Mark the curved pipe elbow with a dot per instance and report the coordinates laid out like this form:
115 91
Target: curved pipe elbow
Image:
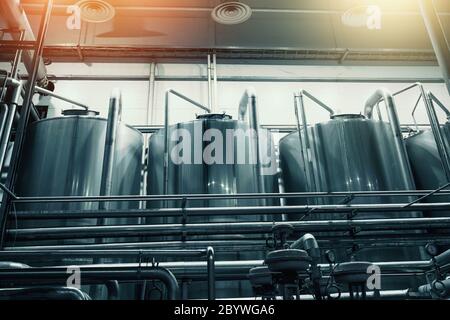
380 94
309 243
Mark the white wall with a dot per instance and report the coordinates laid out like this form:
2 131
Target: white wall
275 98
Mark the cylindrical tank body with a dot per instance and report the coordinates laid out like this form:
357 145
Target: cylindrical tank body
349 153
427 167
425 161
63 157
199 174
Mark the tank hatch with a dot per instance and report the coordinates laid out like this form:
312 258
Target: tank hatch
214 116
79 112
344 116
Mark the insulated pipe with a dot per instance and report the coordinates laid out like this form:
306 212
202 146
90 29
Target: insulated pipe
247 106
14 278
115 231
437 38
386 96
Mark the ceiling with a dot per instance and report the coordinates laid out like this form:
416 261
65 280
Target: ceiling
279 29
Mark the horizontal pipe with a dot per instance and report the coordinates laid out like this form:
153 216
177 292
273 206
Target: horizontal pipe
114 231
48 254
30 276
161 197
248 243
216 211
249 78
57 96
196 270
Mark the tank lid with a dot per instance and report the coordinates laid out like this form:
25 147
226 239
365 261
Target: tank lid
79 112
214 116
348 116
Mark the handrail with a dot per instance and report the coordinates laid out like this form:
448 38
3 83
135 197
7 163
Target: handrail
387 97
305 147
166 132
441 143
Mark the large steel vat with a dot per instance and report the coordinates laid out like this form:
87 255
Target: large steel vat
349 153
425 160
198 174
63 156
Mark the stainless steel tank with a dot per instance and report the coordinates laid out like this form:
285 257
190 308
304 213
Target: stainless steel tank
203 177
349 153
428 170
63 156
426 162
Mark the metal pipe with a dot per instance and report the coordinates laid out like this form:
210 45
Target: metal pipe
61 199
4 110
437 37
440 104
442 146
166 133
96 274
209 84
441 142
113 289
132 253
302 152
248 106
114 231
16 18
114 115
22 126
215 99
52 94
210 262
15 87
17 57
387 97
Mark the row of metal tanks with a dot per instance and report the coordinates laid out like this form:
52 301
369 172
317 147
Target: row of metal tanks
63 157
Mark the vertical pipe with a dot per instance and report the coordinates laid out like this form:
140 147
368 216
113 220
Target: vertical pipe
25 114
114 113
151 94
215 107
211 273
209 84
17 58
437 38
302 153
307 144
3 117
166 147
386 96
248 106
15 87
